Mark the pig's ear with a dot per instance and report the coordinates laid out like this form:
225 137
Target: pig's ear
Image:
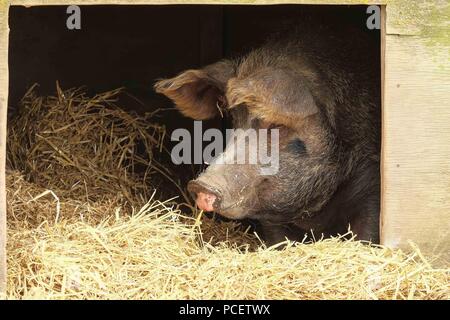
276 95
199 94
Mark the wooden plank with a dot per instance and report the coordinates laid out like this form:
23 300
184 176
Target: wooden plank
416 134
383 83
4 31
425 17
163 2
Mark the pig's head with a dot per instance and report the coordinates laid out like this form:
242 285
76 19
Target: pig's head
272 97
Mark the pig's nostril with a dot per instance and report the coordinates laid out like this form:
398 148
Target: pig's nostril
205 201
206 197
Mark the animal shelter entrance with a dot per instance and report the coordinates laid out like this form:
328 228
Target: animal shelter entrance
131 47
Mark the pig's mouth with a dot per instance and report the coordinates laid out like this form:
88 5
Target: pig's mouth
209 199
233 211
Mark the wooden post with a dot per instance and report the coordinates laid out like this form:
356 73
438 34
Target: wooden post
416 128
4 32
383 82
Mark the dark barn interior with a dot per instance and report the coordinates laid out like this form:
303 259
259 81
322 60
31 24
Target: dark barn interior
132 46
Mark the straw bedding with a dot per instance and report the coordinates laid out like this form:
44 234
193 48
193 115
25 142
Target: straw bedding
72 142
84 222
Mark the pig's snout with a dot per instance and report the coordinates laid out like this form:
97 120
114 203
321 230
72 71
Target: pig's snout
206 197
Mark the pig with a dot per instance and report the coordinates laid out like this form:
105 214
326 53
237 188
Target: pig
322 93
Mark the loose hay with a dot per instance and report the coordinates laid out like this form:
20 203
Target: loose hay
71 242
154 254
83 146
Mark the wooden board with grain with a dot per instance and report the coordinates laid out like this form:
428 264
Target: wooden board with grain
214 2
416 128
4 31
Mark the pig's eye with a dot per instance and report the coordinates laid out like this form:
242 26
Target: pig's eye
296 146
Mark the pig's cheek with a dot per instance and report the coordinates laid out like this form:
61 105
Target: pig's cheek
265 192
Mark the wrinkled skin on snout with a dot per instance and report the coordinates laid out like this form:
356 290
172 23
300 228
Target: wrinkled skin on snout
327 117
